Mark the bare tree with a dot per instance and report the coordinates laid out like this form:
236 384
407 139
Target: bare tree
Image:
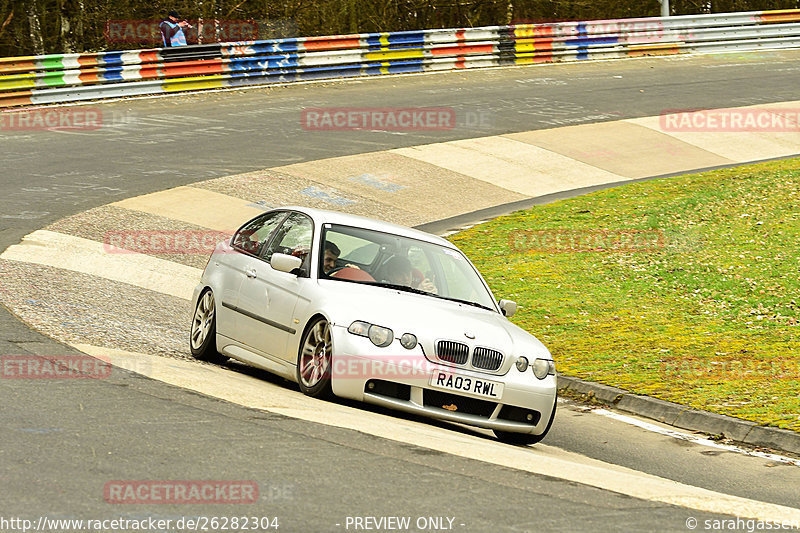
79 26
217 15
7 21
66 36
34 26
200 22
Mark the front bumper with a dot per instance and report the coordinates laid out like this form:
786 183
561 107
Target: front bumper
399 379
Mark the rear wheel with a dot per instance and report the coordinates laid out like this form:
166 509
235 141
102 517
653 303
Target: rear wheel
203 336
526 438
314 362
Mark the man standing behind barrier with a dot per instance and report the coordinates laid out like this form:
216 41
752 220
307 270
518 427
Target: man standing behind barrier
172 30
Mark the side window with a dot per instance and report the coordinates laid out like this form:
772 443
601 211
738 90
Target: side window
254 235
293 238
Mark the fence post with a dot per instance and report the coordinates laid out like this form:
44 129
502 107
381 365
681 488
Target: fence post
664 8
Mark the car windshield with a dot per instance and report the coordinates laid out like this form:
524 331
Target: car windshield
384 259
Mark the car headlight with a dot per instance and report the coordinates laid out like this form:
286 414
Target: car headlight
543 367
408 341
522 364
379 335
360 328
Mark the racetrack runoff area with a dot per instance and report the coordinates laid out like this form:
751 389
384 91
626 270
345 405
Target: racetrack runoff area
103 312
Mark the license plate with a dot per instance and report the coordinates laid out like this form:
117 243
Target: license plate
476 386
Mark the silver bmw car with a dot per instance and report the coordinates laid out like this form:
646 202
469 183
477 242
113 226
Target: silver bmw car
356 308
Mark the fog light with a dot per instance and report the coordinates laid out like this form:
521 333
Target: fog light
522 364
408 341
541 367
380 336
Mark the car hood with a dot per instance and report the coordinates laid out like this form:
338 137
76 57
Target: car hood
429 318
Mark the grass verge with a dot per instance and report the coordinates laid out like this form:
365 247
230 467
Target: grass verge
685 289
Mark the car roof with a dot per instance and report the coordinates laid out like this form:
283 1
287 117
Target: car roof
323 216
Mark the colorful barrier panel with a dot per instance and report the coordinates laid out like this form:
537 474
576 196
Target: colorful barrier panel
59 78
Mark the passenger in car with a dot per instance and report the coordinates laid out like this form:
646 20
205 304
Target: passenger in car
400 272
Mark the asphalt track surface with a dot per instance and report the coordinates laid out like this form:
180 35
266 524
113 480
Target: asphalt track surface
62 441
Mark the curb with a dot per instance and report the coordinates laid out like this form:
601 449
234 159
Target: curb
683 417
465 220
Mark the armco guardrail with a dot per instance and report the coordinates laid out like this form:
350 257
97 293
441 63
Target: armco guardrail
72 77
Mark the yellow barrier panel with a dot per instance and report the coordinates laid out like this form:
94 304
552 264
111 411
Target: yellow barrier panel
193 84
394 55
17 81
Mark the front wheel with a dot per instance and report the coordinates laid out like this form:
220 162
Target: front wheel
510 437
314 360
203 336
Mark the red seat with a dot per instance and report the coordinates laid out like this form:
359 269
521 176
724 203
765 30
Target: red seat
352 274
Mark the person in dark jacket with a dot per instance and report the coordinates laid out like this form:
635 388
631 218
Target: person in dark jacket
172 30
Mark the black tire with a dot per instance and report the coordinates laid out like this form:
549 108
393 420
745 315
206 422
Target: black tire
203 334
314 360
526 438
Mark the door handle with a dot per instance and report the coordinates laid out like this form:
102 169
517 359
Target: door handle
251 273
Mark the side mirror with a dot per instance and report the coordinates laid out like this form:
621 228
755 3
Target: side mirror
509 307
284 262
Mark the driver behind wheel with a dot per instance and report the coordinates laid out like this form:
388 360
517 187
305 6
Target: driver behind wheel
332 253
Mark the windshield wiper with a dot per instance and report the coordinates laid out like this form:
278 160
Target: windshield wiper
474 304
420 291
402 288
